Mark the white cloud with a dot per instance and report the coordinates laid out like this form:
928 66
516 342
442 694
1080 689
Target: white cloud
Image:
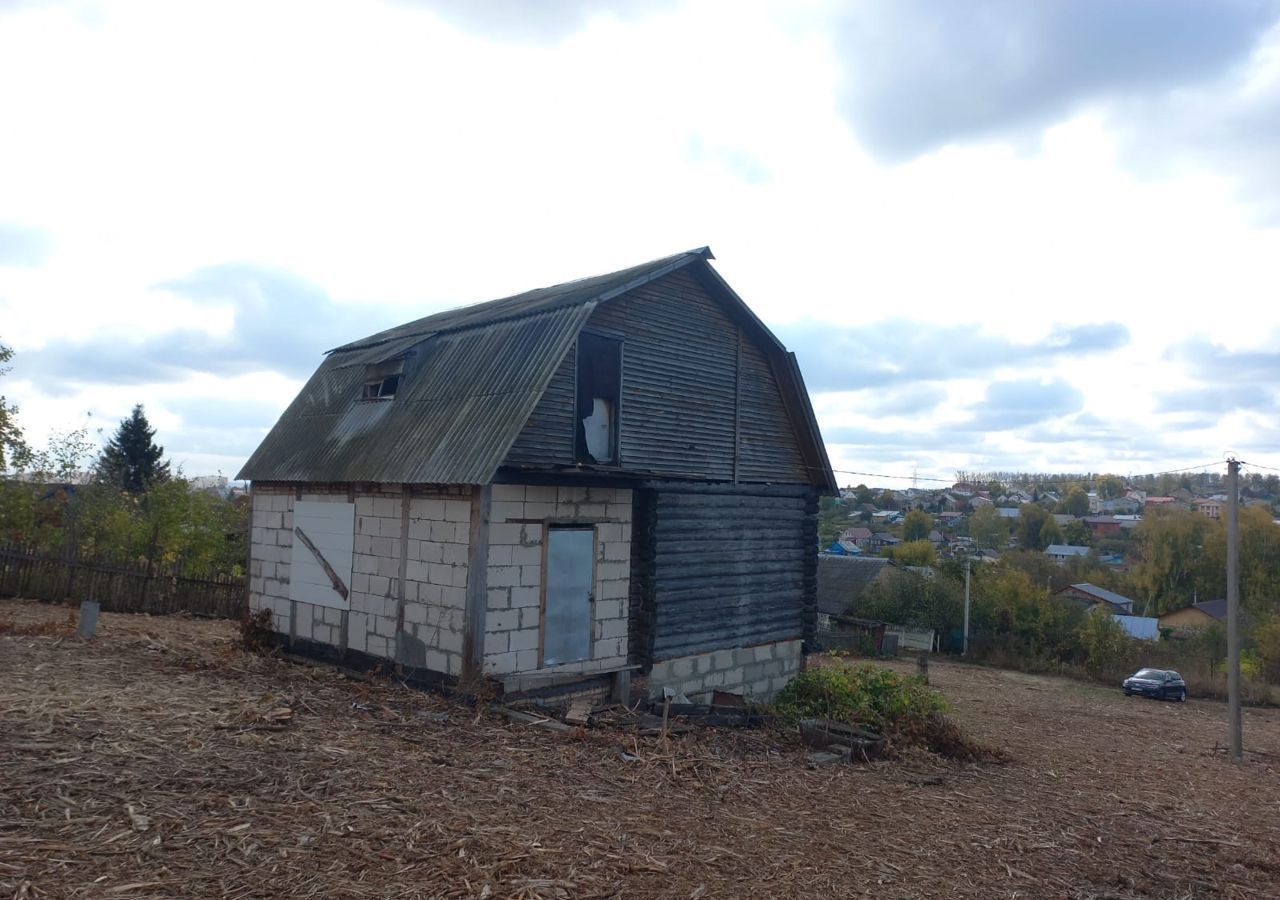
398 159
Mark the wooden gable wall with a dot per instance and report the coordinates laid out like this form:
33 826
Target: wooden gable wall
699 397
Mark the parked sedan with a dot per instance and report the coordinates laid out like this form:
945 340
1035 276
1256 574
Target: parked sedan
1162 684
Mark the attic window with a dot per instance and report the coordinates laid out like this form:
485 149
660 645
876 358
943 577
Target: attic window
381 381
598 399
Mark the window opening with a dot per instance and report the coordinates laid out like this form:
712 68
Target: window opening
599 395
381 381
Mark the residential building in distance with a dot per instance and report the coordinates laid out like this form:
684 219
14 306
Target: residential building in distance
1060 553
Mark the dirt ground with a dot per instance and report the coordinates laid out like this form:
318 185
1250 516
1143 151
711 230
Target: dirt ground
159 760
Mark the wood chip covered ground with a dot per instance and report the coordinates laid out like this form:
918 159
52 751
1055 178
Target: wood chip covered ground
160 760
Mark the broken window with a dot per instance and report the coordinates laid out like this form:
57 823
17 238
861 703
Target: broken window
599 395
381 381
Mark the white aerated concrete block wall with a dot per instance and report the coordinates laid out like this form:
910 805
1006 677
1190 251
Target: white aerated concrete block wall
435 556
271 547
756 672
519 516
436 573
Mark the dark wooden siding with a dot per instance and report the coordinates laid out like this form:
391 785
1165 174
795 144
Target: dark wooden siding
547 438
730 568
679 356
767 448
643 566
688 393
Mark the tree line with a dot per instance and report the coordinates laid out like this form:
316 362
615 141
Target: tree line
120 501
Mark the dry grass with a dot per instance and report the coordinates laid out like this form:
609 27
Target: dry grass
160 760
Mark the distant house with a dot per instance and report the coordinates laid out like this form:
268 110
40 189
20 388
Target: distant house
950 518
1102 526
858 536
883 539
1093 596
1195 616
936 538
1063 519
1006 512
1120 505
1210 507
843 548
1094 599
1144 628
1152 502
978 500
1060 553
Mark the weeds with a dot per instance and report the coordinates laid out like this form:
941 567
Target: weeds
256 630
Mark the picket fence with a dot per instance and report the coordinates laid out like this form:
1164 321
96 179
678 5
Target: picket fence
119 585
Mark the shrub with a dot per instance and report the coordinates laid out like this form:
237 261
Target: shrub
860 695
256 630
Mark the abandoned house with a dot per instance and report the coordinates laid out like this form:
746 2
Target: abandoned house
617 475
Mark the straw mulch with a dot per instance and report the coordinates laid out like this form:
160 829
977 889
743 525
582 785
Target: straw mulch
159 760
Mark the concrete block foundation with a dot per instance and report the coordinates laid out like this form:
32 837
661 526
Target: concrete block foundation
757 672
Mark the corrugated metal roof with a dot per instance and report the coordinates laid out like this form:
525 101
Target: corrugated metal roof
1103 594
464 397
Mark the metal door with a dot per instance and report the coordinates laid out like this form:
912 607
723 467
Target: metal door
566 623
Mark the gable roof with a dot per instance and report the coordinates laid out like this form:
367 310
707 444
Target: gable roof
1216 609
1104 595
473 376
842 579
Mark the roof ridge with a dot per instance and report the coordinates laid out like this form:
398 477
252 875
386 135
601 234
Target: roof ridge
472 315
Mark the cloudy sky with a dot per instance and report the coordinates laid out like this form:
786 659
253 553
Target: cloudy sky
999 234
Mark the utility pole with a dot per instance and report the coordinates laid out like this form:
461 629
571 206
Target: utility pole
965 650
1233 611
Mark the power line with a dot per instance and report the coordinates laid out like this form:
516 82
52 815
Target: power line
1258 466
914 477
902 477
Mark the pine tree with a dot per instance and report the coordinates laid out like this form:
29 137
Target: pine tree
131 460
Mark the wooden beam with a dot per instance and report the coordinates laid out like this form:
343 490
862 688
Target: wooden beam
477 584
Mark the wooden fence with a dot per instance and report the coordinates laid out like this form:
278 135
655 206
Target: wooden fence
119 585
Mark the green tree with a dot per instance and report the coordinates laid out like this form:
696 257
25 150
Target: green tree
1075 502
1031 521
1172 558
831 519
13 450
914 553
1105 642
916 526
988 528
1077 534
1111 487
131 460
1050 532
1259 552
